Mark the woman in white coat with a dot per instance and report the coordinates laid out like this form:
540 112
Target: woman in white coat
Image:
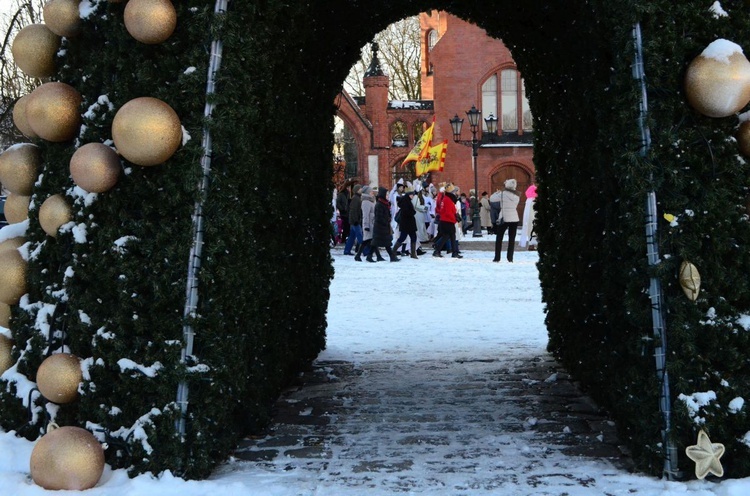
508 219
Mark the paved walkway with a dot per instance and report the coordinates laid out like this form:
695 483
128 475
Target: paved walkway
463 426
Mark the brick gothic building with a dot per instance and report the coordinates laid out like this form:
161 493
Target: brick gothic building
461 67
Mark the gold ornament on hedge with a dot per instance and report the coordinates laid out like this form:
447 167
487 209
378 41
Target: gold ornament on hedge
706 456
4 316
95 167
17 208
690 280
54 212
150 21
34 50
19 168
12 277
62 17
53 111
717 82
146 131
58 378
6 361
67 458
19 117
12 243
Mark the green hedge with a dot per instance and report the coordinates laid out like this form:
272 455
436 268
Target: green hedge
114 288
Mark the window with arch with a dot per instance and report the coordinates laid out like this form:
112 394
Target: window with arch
399 134
432 39
504 96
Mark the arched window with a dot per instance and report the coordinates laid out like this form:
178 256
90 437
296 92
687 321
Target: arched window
399 134
432 39
504 96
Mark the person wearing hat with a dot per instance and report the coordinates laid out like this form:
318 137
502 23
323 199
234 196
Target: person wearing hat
382 233
368 218
355 220
508 219
446 210
407 223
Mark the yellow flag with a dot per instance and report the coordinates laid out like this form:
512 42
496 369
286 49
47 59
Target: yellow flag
433 160
421 147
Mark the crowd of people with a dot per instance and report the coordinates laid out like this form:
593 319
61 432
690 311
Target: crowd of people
410 216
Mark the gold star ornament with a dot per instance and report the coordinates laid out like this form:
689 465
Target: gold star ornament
706 456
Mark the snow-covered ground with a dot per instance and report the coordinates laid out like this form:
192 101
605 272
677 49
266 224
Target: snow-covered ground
427 309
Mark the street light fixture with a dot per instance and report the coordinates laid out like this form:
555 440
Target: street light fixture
457 124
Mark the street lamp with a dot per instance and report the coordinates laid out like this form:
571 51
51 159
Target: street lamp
457 123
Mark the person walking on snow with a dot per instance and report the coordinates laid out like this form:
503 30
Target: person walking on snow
508 219
407 223
446 211
368 218
382 234
355 221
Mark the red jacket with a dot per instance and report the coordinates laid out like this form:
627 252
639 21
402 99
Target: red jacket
446 208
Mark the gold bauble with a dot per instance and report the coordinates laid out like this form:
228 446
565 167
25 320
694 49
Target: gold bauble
62 17
4 316
52 111
6 361
58 377
12 277
150 21
690 280
19 117
67 458
146 131
95 167
718 89
34 50
19 168
12 243
54 212
16 208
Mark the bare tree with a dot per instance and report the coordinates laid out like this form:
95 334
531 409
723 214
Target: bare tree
399 56
13 82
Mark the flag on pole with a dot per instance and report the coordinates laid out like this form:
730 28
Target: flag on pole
433 160
421 147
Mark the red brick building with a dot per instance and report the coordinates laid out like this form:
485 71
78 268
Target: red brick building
461 66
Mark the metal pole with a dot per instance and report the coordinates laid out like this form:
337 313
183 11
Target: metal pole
196 250
655 291
475 210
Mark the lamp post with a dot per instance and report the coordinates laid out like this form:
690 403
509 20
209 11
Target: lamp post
457 123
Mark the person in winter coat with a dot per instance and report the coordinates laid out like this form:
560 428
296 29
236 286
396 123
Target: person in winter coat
495 207
382 236
446 210
407 223
484 213
509 215
368 218
342 205
355 221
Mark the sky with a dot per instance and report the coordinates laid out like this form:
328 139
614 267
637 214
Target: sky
389 313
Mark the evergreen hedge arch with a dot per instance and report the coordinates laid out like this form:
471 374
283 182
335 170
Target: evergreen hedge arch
266 269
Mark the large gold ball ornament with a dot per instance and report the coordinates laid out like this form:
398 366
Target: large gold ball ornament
58 377
34 50
52 111
6 361
19 117
717 82
150 21
16 208
67 458
146 131
12 277
19 168
12 243
95 167
690 280
54 212
62 17
4 316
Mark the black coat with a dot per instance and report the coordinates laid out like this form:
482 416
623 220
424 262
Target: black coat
381 229
407 222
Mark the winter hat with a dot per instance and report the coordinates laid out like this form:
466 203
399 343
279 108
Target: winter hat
356 189
409 191
510 184
366 190
449 188
382 192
